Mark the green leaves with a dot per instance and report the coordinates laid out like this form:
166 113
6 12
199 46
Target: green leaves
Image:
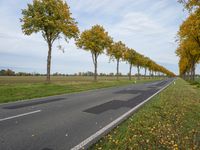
130 55
51 17
95 40
116 50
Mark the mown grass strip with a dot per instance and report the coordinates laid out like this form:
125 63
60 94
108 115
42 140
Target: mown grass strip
169 121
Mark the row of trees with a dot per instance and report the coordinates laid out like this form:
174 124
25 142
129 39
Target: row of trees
7 72
53 19
189 40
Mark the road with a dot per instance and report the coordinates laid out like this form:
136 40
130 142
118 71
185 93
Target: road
64 122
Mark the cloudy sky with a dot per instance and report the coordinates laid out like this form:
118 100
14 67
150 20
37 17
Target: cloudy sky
148 26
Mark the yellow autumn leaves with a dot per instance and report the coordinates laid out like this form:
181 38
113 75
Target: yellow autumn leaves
189 41
169 121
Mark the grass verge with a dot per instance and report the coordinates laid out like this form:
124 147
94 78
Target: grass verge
20 88
196 82
169 121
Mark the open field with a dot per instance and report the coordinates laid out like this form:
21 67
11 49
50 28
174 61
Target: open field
169 121
54 79
19 88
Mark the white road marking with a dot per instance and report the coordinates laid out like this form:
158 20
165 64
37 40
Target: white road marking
115 122
20 115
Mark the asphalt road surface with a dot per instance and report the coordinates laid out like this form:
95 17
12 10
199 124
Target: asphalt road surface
63 122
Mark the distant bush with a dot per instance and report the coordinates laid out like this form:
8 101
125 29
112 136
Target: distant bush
7 72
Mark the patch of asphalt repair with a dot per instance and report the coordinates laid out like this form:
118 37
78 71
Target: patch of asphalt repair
130 103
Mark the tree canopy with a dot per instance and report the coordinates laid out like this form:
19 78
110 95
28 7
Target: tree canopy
51 17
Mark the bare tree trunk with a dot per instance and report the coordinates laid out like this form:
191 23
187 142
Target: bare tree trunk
149 74
49 62
130 71
145 73
117 69
193 72
138 70
94 58
95 68
184 76
188 75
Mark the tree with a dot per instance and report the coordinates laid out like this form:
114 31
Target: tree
2 72
116 51
189 44
183 67
139 62
129 56
7 72
189 53
146 65
95 40
52 18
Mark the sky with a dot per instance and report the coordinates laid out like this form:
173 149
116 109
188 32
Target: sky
149 27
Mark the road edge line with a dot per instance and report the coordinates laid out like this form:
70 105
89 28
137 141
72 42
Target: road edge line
116 121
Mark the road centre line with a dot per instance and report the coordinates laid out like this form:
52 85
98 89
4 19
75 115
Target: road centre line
20 115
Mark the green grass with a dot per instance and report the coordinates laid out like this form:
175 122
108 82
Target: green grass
20 88
171 120
196 82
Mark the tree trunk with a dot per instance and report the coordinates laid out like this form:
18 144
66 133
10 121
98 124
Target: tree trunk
138 70
184 76
193 72
145 73
117 69
149 74
130 71
94 59
188 75
95 67
49 62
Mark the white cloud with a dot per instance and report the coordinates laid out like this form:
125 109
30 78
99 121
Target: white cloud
138 23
